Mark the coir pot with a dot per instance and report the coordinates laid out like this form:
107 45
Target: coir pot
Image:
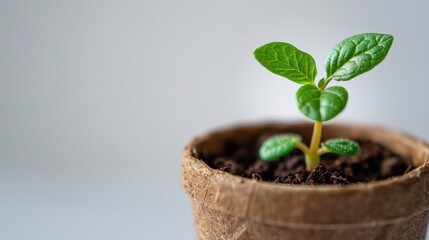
231 207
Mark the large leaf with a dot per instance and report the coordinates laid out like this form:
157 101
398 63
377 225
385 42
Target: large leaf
278 146
321 105
342 146
356 55
287 61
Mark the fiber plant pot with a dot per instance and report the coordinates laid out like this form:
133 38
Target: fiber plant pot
232 207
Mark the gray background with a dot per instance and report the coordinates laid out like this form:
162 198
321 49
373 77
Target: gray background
97 99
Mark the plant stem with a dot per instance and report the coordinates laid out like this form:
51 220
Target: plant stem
322 151
312 158
326 83
301 146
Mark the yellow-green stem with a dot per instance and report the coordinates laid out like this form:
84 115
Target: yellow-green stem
322 150
301 146
312 158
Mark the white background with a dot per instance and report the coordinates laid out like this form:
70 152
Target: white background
97 99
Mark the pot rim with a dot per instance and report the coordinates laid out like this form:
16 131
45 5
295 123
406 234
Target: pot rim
301 187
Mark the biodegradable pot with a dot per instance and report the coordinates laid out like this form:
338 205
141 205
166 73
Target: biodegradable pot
231 207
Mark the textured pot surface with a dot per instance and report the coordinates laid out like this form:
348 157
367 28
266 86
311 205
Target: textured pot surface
232 207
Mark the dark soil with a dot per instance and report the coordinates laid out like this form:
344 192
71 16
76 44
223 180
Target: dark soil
375 162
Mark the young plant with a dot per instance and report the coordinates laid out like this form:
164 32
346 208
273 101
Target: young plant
348 59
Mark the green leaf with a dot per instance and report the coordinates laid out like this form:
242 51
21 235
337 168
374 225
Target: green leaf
287 61
356 55
342 146
322 83
321 105
278 146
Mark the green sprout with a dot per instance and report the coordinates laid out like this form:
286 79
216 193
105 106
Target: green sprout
348 59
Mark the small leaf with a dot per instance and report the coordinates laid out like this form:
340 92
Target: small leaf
321 84
278 146
342 146
287 61
321 105
356 55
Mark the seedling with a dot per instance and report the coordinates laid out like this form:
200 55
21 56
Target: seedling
348 59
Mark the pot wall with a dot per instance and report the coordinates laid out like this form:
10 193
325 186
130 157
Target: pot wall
212 224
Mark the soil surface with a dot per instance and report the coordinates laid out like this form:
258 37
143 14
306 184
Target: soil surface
375 162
